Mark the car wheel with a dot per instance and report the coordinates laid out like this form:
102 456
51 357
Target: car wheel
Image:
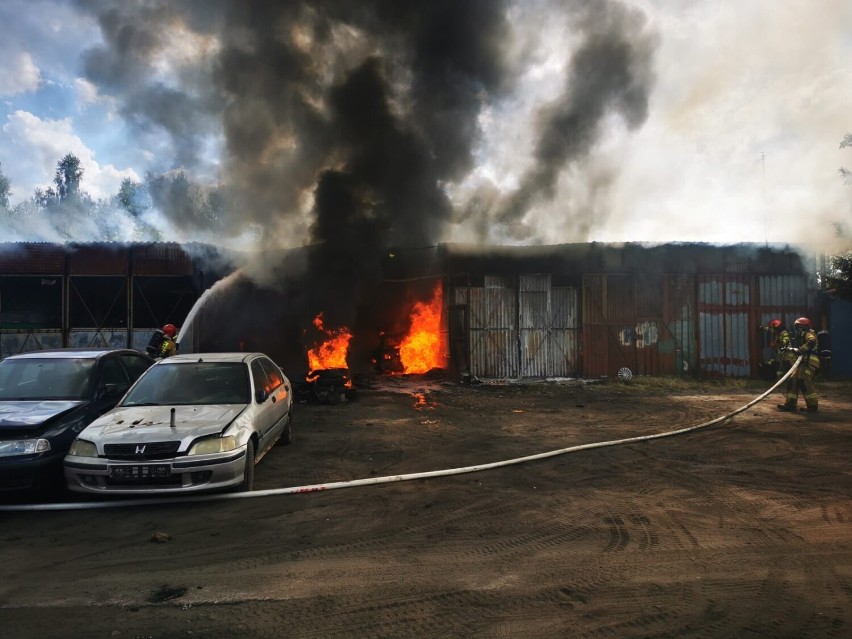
287 435
248 474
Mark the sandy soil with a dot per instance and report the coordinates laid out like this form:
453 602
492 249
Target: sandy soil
742 529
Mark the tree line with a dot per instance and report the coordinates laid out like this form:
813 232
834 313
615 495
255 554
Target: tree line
64 211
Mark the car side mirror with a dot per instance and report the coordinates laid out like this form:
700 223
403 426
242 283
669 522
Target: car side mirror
261 395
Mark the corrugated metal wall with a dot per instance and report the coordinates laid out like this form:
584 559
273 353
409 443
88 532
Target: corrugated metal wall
679 318
639 321
662 310
98 295
783 297
725 324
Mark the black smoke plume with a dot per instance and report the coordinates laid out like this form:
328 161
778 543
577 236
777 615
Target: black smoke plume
343 122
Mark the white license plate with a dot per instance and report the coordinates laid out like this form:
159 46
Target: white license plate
140 472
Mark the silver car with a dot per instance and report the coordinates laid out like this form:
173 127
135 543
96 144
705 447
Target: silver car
194 422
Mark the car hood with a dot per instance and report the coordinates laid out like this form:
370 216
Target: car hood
32 414
154 422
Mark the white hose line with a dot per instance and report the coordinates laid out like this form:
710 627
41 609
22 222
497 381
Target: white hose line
120 503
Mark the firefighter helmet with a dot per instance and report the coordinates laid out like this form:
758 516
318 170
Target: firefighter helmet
802 323
773 324
170 330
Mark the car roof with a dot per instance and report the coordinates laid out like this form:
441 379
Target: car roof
74 353
211 357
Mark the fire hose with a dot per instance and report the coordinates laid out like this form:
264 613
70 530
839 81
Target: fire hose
397 478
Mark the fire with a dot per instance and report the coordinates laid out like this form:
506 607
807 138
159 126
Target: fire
420 351
331 353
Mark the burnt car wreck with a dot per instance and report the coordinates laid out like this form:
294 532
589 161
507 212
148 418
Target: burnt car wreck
328 386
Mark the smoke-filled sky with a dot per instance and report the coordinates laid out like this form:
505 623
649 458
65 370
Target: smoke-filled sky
376 123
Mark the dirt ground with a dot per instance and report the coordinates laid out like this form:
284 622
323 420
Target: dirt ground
736 530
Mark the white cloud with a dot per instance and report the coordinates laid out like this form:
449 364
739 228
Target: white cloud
18 74
33 148
85 91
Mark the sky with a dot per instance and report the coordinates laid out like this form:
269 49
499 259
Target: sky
534 122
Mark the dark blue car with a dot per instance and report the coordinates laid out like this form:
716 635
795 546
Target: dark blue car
46 399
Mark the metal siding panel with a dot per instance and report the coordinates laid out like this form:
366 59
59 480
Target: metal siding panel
711 329
33 259
595 350
459 295
725 332
564 353
96 301
593 299
98 260
647 333
622 349
649 294
160 259
782 290
564 307
710 290
492 353
620 307
840 330
104 338
783 297
535 353
140 336
534 312
738 362
534 323
680 315
14 342
477 307
534 282
494 336
564 334
737 291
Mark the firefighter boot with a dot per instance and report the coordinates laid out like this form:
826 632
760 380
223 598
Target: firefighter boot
788 406
812 408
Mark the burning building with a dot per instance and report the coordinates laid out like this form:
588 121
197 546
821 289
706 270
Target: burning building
574 310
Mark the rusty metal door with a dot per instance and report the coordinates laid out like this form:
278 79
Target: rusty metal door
493 328
548 328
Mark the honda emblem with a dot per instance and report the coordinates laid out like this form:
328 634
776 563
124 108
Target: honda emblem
140 450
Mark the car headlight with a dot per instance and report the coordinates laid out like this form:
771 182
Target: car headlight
213 445
12 447
82 448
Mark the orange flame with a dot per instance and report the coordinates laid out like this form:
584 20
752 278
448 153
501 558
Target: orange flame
331 353
420 351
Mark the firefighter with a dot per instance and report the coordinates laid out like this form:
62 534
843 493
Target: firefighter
808 348
169 346
782 358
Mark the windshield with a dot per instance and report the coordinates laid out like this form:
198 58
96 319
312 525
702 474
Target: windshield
45 379
191 383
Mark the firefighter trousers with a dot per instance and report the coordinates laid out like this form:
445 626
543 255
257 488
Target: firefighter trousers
802 381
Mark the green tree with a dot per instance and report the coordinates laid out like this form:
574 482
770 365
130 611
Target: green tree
839 282
68 177
132 197
845 142
43 198
839 279
5 189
